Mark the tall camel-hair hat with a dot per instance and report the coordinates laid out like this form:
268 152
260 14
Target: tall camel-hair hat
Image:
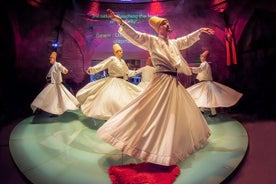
116 47
205 54
53 55
155 22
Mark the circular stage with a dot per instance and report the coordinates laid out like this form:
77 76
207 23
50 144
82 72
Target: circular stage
66 149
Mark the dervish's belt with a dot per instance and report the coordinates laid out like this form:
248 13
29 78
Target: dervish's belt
169 73
205 81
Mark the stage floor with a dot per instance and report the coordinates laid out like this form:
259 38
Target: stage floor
66 149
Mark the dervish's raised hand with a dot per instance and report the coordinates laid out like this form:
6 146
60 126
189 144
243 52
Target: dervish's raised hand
208 31
113 16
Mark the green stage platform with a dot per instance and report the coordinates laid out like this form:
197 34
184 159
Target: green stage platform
66 149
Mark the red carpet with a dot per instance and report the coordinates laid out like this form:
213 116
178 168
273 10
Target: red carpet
143 173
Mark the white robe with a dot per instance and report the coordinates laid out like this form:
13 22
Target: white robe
147 73
163 125
210 94
102 98
55 98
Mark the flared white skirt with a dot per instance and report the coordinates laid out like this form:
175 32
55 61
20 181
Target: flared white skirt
55 99
103 98
211 94
163 125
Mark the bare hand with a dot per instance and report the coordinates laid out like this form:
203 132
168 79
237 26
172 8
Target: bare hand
65 71
208 31
88 71
113 16
110 13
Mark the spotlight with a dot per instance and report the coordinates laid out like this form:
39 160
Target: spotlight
55 44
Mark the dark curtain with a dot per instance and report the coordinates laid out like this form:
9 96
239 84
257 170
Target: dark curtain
257 56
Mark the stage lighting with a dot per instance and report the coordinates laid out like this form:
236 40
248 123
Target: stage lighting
55 44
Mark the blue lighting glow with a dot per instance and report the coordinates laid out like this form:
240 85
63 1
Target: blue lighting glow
55 44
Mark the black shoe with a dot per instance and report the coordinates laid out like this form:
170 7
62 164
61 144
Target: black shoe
38 111
212 115
53 116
